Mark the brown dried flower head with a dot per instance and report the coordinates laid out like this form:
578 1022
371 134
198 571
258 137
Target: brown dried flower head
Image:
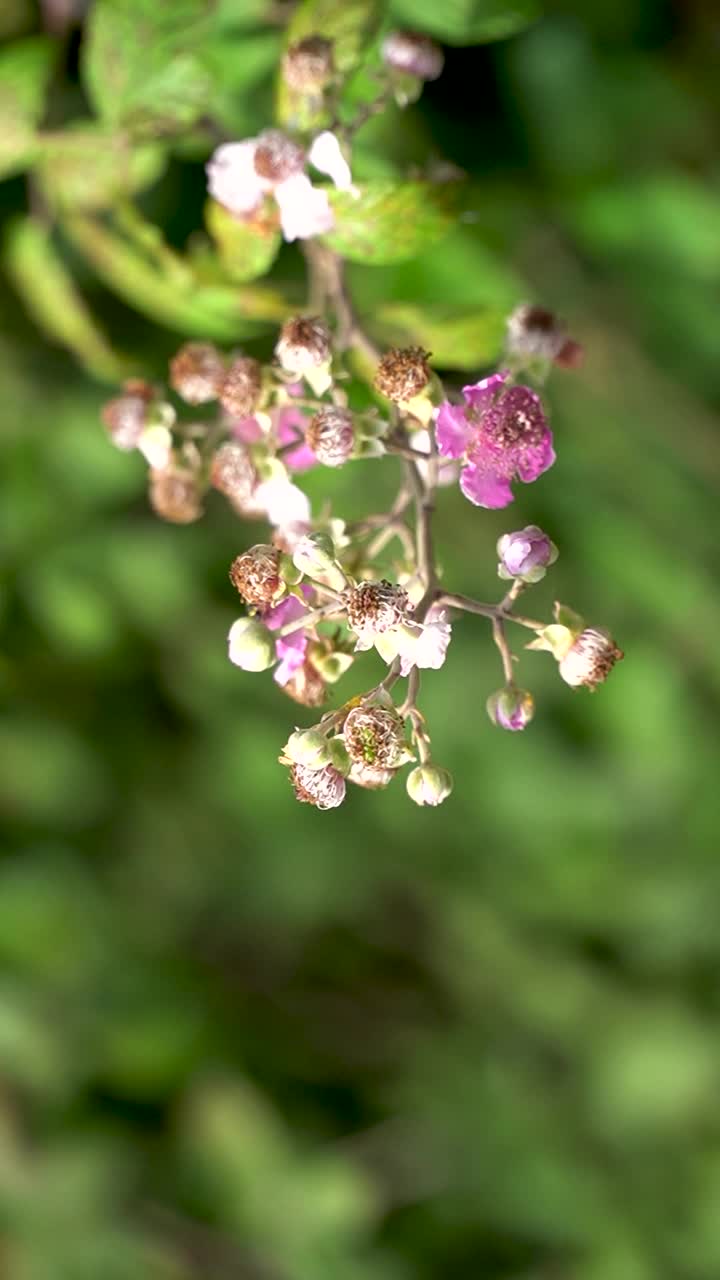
307 66
375 607
374 736
175 494
233 472
590 659
414 54
277 157
331 435
197 372
535 333
403 373
372 777
304 343
324 788
306 686
240 388
126 416
256 574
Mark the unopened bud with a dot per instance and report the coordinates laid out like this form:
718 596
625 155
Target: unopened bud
376 607
232 472
511 708
525 554
307 66
590 659
304 344
375 735
323 788
175 495
256 575
314 555
402 373
534 333
308 747
126 416
240 389
429 784
331 435
197 372
414 54
251 645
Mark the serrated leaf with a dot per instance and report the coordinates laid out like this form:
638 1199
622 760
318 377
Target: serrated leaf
247 248
88 167
196 310
25 68
389 222
459 337
350 26
142 63
462 22
48 292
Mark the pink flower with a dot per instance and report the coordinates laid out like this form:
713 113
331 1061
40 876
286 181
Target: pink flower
500 433
289 649
241 174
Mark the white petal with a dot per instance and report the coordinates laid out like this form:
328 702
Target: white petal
325 155
284 503
304 209
155 444
232 179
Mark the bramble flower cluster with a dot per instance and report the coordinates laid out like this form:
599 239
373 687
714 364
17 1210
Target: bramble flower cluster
319 592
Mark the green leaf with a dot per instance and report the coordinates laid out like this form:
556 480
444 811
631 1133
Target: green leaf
88 167
390 222
241 66
458 337
25 68
467 21
247 248
143 65
350 25
196 310
48 292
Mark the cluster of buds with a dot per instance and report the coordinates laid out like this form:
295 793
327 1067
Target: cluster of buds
317 591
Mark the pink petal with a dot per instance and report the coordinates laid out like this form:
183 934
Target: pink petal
290 426
485 488
232 179
534 461
248 430
304 209
480 395
452 430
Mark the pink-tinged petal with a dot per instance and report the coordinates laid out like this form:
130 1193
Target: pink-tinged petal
304 209
290 427
283 503
535 461
232 179
326 155
485 488
248 430
453 432
480 395
291 609
291 652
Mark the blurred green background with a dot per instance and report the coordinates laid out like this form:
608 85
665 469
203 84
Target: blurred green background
241 1039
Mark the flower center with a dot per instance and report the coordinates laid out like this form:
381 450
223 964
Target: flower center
277 157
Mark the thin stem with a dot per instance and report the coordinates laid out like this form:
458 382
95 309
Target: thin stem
501 641
315 615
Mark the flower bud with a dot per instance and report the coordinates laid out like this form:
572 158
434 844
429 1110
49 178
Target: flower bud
375 735
251 645
308 747
331 436
174 494
414 54
315 556
429 784
126 416
323 788
240 388
304 344
402 373
525 554
511 708
307 66
256 575
590 659
374 608
233 473
370 776
197 372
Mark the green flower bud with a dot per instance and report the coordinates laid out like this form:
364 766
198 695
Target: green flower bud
308 747
250 645
429 784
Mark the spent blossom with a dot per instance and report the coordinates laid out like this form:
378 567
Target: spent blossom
501 434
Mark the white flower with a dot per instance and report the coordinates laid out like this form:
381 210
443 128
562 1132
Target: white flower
282 502
241 174
417 644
